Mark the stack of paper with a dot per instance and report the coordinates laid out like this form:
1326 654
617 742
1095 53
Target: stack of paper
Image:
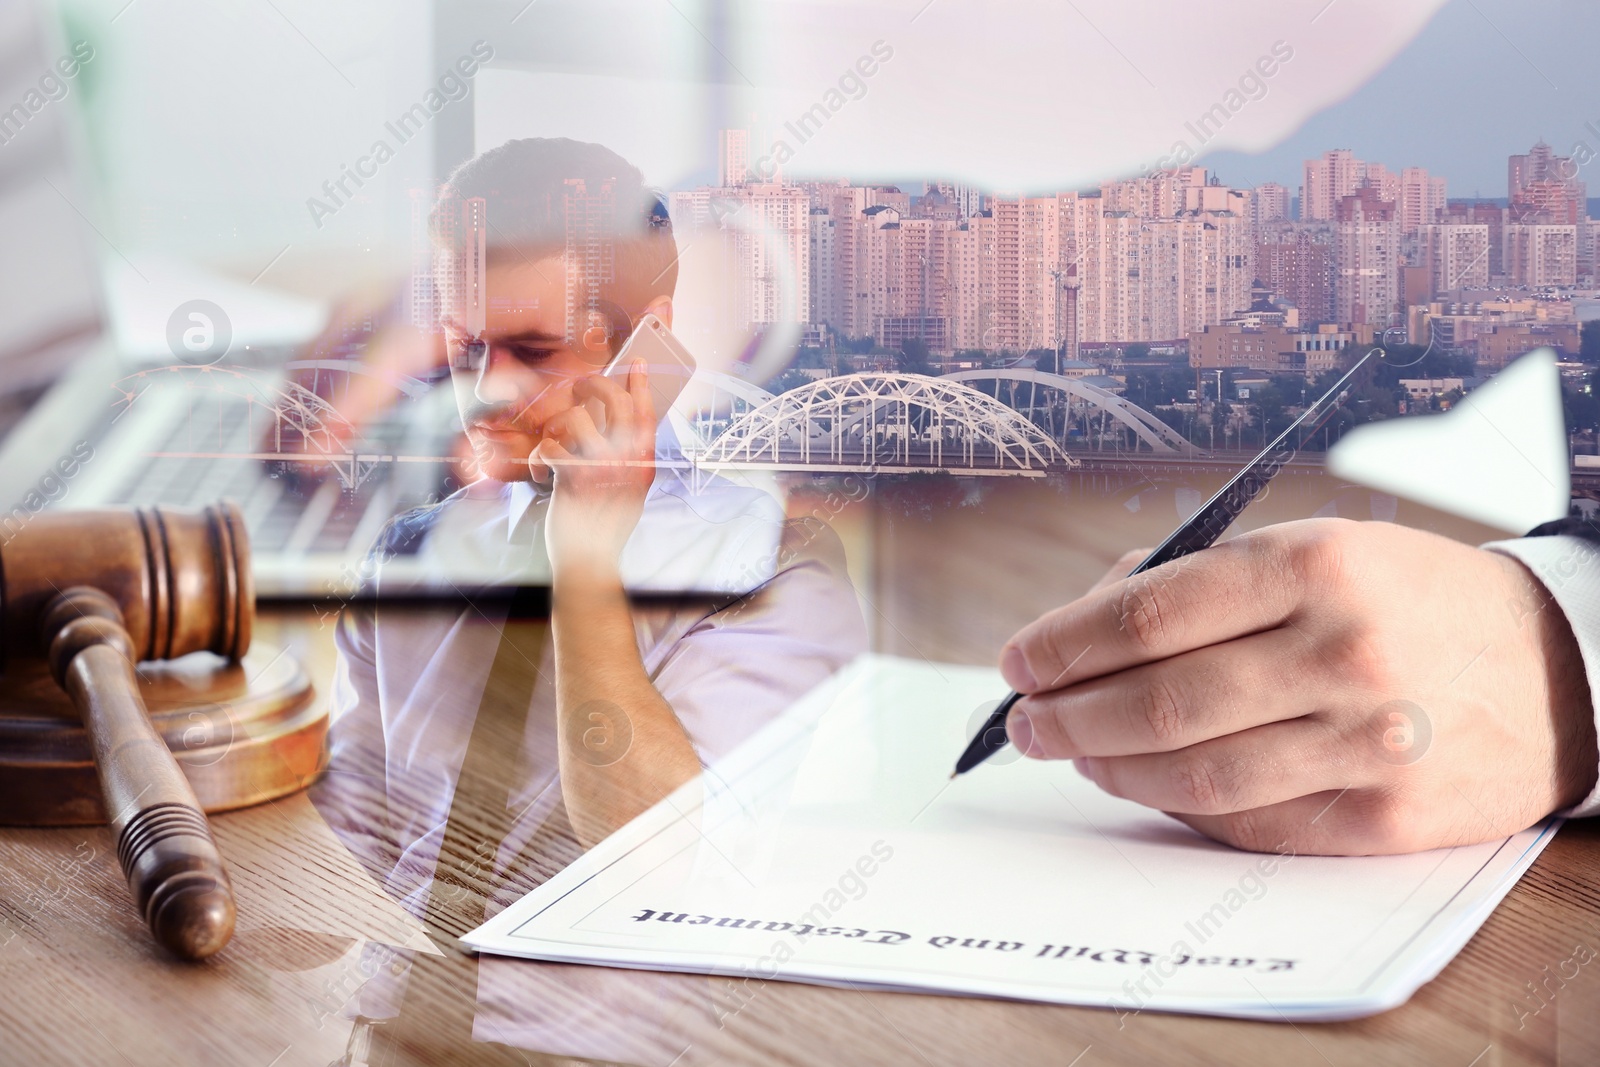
833 848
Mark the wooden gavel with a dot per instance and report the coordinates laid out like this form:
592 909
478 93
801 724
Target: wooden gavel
96 592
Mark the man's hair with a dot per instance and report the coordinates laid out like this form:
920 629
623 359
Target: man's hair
532 187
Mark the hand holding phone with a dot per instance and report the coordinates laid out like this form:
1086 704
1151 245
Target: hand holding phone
602 479
669 364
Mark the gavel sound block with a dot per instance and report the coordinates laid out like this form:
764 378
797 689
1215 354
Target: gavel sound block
92 594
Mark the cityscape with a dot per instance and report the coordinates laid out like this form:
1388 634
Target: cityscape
1122 285
1165 313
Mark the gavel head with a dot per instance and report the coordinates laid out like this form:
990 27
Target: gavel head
181 578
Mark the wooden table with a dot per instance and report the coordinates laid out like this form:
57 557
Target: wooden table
82 981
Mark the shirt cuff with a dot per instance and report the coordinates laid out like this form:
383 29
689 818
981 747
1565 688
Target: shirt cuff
1569 567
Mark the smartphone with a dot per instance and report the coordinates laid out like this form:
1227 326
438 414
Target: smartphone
669 363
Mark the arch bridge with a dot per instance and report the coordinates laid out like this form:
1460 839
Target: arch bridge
1059 405
887 422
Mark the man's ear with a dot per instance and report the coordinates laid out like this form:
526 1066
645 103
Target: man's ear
661 308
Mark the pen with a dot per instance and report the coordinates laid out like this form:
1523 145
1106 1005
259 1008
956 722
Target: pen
1200 531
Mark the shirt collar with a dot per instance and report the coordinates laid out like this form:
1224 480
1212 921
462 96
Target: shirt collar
519 500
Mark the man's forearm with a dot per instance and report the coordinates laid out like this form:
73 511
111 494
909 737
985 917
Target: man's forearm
621 747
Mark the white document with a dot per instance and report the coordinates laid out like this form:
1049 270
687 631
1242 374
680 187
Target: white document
834 848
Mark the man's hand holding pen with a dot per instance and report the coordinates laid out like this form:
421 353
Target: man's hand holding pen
1288 686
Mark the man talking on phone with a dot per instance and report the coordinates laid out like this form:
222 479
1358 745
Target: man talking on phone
565 726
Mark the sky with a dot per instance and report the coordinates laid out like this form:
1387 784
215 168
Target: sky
1015 96
1483 80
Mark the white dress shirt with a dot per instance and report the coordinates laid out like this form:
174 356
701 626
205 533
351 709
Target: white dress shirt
1569 567
409 682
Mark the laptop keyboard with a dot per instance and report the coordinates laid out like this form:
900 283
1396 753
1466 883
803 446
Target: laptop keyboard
176 445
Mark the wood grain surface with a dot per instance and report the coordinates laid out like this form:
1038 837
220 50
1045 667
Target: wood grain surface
82 982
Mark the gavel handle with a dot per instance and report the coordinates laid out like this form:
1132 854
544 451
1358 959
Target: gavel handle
164 843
